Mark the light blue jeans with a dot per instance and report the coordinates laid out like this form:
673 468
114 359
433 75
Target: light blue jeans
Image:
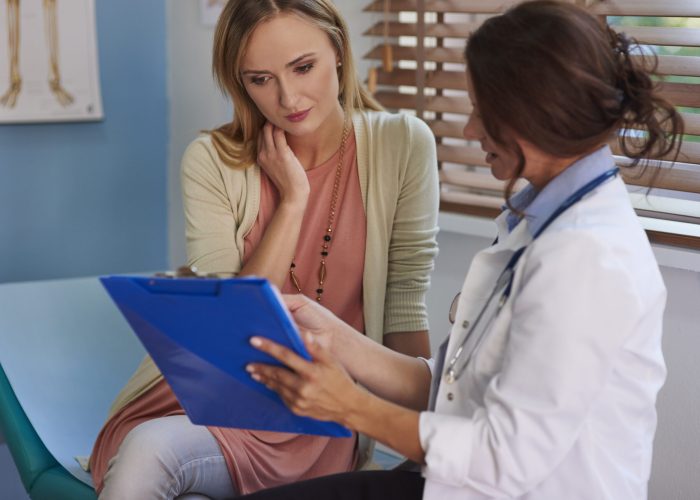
168 458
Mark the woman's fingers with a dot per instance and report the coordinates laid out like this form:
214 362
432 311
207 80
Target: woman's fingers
279 139
295 301
274 139
268 141
317 348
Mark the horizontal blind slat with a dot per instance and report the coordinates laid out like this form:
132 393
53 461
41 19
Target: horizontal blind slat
656 8
673 179
437 30
652 35
445 6
451 128
476 180
649 35
682 177
648 8
458 207
692 122
474 199
460 105
689 153
668 65
437 104
466 155
436 54
681 94
456 80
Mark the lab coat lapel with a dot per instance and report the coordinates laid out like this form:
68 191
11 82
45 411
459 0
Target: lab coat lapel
483 273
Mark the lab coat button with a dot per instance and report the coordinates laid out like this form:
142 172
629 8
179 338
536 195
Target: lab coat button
450 396
465 324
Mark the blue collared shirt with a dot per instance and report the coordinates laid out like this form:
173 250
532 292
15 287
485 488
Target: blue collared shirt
539 206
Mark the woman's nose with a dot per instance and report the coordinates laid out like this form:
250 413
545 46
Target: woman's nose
288 96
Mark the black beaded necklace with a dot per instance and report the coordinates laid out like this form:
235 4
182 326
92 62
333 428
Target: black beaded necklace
328 236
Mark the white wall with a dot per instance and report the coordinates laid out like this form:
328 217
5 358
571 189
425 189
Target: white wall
677 453
195 104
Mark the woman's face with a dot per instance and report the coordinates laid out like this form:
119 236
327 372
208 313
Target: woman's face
289 70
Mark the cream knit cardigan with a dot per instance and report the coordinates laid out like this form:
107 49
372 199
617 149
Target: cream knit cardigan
397 166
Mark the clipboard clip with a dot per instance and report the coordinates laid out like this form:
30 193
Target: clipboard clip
192 272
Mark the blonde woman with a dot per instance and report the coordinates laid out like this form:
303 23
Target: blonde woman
314 187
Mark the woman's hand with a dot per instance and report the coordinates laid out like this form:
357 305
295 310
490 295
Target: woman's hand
320 389
315 320
281 165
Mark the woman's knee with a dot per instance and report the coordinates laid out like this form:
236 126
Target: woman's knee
147 462
159 459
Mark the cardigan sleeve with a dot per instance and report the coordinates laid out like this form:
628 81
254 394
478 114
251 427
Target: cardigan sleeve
210 218
413 244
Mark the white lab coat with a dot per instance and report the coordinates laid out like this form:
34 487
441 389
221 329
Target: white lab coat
559 401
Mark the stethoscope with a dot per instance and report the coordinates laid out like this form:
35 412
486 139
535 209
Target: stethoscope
504 284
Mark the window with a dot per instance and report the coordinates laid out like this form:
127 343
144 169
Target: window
427 39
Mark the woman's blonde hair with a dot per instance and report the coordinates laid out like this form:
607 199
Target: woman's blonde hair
237 142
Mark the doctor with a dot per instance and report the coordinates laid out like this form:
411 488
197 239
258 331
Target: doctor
546 387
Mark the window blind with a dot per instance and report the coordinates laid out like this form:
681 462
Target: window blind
427 39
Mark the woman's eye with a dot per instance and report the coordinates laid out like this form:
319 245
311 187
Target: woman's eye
259 80
305 68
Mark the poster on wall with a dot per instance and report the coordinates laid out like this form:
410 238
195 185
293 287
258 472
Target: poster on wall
48 61
210 10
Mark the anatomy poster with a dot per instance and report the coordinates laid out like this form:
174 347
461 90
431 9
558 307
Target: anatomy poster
48 61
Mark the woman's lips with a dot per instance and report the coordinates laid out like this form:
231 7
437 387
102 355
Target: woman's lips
297 117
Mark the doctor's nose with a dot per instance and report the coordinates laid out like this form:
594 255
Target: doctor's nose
472 131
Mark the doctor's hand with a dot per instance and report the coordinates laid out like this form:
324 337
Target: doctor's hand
281 165
320 388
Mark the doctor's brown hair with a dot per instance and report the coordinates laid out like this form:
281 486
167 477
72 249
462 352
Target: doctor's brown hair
237 142
558 77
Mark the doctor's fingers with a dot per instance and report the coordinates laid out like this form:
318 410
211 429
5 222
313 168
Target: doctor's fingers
281 354
281 380
302 397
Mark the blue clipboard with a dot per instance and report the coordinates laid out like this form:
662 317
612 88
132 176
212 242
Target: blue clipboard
197 330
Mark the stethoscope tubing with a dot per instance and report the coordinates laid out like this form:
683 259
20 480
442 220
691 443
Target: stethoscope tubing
452 372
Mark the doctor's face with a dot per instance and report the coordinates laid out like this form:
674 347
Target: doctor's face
289 70
503 162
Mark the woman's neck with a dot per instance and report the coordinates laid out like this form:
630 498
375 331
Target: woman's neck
315 148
